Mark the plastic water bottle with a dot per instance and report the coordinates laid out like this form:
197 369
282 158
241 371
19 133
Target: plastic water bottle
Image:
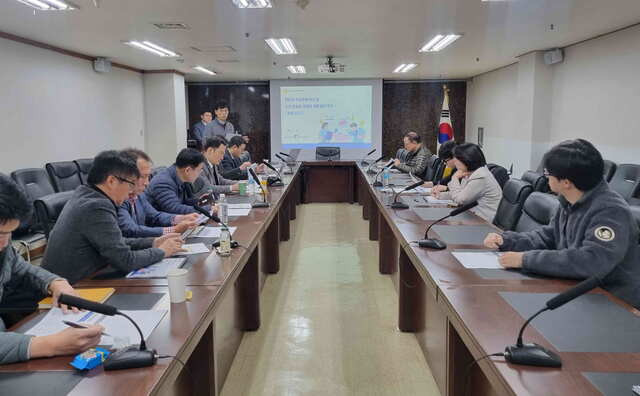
225 242
251 186
223 209
386 175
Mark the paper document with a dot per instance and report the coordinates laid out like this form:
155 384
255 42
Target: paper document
476 260
212 232
433 200
158 270
419 190
202 219
239 206
193 248
239 212
115 326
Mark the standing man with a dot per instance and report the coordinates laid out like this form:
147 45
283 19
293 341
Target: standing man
220 126
138 218
417 157
211 180
198 129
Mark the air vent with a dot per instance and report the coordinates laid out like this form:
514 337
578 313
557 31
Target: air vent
215 49
172 26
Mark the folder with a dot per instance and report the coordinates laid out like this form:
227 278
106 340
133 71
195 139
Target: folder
95 295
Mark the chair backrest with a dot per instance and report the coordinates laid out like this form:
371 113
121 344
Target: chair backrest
84 166
499 173
35 183
401 154
49 207
635 212
537 212
514 195
64 175
431 171
625 180
609 169
327 153
537 180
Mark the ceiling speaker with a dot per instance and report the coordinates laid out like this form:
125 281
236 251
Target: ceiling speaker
553 56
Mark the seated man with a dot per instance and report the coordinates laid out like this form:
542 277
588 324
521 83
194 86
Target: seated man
445 153
211 181
15 347
171 190
233 165
419 154
87 237
138 218
592 234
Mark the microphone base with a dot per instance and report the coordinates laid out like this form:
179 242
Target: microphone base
399 205
260 205
364 163
377 184
371 172
435 244
277 184
532 355
130 357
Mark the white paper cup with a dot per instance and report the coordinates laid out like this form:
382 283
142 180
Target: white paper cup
177 279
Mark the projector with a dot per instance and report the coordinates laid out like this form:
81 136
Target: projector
330 66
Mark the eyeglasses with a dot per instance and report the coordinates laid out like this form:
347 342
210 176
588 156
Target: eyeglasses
131 184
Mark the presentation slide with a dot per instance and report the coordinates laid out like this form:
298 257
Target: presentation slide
338 116
306 114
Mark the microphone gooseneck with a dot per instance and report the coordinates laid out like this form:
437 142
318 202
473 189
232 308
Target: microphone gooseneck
402 205
433 243
264 193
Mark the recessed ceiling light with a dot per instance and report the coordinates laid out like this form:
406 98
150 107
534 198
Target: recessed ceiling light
439 42
153 48
49 5
299 69
282 46
205 70
252 3
405 67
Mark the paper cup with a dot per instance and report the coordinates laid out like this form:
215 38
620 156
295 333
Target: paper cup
177 279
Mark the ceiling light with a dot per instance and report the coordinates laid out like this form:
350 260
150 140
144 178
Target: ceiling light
153 48
282 46
299 69
49 5
405 67
439 42
252 89
252 3
205 70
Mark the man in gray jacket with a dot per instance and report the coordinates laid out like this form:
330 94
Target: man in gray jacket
592 234
87 237
417 157
15 272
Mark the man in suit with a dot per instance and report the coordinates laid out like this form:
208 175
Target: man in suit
212 181
138 218
171 190
198 129
234 165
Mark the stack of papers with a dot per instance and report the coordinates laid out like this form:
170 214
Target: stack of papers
115 326
212 232
477 260
158 270
433 200
193 248
396 190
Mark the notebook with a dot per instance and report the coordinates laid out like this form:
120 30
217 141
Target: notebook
95 295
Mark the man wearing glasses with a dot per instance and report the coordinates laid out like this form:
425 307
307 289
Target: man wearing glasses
87 237
592 234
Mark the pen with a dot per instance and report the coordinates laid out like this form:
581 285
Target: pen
79 326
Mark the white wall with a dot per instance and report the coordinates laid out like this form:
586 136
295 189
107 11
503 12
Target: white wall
594 94
55 107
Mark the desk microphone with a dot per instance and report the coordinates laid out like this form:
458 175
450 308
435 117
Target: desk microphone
130 357
215 218
402 205
264 204
288 170
277 182
370 168
285 154
537 355
433 243
376 182
365 163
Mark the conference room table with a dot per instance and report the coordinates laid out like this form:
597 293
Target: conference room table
457 314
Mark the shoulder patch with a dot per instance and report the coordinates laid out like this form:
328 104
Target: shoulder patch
605 233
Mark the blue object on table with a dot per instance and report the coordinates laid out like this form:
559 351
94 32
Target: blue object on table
90 359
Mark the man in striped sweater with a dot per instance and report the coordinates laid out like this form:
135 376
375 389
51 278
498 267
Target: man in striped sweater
417 157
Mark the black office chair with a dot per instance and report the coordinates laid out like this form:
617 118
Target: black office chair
327 153
499 173
49 207
431 171
35 183
64 175
537 211
539 181
625 180
514 195
609 169
84 166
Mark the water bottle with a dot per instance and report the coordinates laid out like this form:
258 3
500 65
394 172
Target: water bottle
386 175
223 209
225 242
251 186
